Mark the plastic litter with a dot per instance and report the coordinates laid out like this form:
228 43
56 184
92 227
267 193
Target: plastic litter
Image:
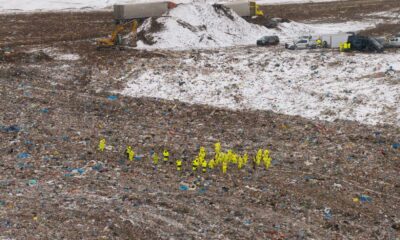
112 97
365 198
44 110
327 213
23 155
396 145
9 129
32 182
247 222
183 187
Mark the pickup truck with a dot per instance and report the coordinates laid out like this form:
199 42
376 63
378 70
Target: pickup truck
393 42
302 43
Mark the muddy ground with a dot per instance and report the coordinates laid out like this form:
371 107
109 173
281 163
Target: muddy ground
328 180
335 11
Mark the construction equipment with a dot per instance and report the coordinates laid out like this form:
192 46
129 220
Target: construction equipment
116 38
259 12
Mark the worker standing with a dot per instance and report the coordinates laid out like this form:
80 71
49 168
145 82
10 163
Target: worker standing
166 155
179 165
195 164
204 166
319 43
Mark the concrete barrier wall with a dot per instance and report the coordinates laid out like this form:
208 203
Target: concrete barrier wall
156 9
141 10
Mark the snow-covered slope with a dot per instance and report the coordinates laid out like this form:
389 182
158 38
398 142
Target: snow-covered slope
314 84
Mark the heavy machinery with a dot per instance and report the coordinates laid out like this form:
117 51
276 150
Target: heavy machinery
115 40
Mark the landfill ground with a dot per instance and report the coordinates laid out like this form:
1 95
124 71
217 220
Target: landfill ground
328 180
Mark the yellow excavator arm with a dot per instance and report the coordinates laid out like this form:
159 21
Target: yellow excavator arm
259 12
115 35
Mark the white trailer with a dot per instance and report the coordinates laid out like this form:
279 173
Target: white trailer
141 10
333 40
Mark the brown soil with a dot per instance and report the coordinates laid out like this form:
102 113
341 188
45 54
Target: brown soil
334 11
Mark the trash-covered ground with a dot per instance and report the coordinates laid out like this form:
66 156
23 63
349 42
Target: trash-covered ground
328 180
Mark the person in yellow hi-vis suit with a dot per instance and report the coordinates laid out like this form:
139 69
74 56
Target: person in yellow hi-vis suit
179 165
195 164
155 159
166 155
102 145
211 164
224 166
204 166
130 153
319 43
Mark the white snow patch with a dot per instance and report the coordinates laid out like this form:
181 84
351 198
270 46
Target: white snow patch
54 5
316 85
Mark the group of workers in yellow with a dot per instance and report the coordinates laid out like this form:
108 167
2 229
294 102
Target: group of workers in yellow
220 159
343 46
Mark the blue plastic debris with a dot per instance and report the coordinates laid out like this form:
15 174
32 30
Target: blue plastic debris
138 158
2 203
202 190
396 145
32 182
327 213
23 155
78 170
112 97
247 222
22 165
183 187
44 110
9 129
65 138
365 198
98 167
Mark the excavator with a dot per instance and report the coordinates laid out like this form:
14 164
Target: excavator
115 41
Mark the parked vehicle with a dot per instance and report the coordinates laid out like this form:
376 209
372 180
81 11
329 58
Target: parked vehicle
302 43
365 44
393 42
268 41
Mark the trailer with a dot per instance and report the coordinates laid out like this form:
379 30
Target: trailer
244 8
333 40
124 12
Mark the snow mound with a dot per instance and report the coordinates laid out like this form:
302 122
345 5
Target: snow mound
199 25
202 25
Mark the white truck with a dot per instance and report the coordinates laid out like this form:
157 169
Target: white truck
393 42
302 43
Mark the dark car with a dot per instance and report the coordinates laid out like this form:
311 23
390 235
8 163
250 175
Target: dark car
268 41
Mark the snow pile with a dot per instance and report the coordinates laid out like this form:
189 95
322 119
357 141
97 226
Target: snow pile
312 84
201 25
